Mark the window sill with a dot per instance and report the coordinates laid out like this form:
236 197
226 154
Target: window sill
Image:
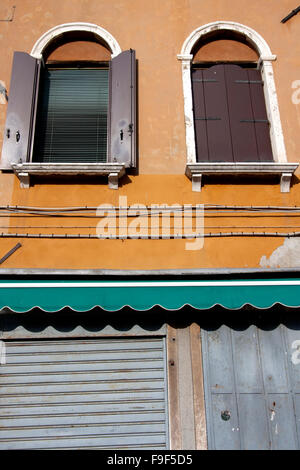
285 170
114 171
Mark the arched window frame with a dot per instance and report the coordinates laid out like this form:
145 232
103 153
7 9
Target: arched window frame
280 165
42 43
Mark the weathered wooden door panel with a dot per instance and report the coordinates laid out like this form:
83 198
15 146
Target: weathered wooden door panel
252 386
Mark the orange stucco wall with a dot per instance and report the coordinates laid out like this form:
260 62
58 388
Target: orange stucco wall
156 30
224 50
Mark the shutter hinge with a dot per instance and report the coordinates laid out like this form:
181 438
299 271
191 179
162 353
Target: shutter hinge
208 119
249 81
255 120
204 80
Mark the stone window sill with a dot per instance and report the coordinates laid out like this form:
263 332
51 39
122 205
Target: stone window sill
114 171
195 171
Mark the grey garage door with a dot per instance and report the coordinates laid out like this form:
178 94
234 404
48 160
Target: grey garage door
91 394
252 386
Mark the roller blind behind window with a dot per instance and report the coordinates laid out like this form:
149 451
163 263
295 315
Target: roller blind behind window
72 116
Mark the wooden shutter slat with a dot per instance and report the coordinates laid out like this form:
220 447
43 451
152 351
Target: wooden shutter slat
262 129
20 110
122 134
218 130
240 114
199 112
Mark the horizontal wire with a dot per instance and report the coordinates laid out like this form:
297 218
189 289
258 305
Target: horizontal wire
206 227
186 214
167 237
161 207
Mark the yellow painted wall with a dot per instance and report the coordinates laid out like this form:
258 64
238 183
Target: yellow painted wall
156 30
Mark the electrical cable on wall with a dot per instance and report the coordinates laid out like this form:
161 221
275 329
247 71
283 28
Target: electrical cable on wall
290 15
146 237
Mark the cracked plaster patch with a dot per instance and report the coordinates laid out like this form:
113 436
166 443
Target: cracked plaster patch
286 255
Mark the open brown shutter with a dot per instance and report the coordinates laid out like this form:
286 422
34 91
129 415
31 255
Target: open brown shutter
122 125
20 110
211 115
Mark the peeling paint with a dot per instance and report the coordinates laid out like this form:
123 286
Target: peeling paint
187 120
286 255
2 353
26 18
2 92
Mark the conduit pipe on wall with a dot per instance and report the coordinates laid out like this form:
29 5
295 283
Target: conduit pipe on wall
146 237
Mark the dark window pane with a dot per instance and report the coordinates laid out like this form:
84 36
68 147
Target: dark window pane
72 116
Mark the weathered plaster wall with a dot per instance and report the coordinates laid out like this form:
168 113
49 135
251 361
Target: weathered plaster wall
286 255
156 30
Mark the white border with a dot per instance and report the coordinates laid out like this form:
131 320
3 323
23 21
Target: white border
46 38
290 282
265 62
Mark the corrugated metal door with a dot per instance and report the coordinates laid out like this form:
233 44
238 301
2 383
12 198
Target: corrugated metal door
252 387
97 394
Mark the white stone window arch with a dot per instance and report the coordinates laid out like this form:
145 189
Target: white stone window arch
280 166
46 38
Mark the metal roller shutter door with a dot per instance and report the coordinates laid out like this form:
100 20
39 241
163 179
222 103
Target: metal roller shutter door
252 386
94 394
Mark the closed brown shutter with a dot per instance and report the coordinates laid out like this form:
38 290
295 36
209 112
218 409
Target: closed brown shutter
211 115
230 117
199 113
240 114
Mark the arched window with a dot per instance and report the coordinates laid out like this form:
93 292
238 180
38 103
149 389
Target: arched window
231 110
72 106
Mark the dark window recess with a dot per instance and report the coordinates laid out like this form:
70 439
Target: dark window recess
231 123
72 116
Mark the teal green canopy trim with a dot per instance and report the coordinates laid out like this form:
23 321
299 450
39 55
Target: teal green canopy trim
52 296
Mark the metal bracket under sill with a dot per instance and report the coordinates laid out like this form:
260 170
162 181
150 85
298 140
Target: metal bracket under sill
195 171
114 171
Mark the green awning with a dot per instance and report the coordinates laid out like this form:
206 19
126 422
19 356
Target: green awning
141 295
